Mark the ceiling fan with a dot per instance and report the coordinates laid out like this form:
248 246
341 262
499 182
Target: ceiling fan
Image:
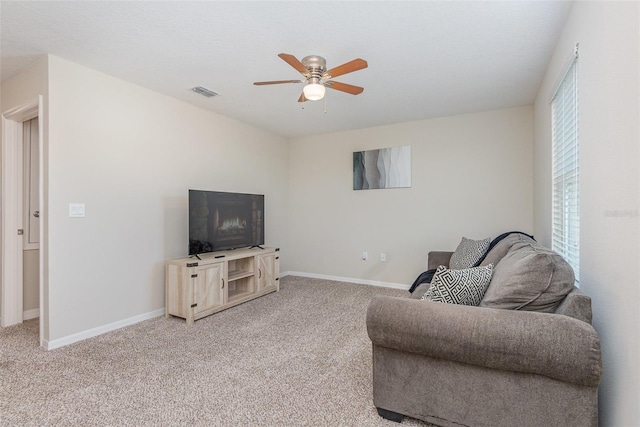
317 77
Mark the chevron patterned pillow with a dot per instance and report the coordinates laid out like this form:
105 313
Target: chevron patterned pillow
465 287
468 253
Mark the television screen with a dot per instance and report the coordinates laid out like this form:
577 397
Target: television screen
220 221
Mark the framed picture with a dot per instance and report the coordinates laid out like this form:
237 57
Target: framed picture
382 168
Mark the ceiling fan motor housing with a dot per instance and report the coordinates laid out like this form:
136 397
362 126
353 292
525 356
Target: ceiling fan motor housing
316 65
315 62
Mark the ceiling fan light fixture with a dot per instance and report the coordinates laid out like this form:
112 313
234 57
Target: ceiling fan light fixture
314 91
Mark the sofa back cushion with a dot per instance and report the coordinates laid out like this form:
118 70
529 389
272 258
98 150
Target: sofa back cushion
529 277
502 247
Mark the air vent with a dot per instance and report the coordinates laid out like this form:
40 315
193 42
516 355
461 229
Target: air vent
204 91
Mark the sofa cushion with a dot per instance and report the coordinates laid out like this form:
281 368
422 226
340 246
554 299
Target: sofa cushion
502 247
529 277
468 252
465 287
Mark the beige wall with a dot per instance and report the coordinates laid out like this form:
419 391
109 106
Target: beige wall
609 74
471 176
130 155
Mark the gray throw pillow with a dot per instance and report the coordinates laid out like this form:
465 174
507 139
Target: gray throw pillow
529 277
468 253
465 287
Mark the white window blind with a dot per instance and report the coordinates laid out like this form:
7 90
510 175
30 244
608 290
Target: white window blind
566 169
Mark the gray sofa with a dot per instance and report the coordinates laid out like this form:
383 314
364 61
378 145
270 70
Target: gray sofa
516 360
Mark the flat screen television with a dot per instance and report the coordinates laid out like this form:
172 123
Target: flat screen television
220 221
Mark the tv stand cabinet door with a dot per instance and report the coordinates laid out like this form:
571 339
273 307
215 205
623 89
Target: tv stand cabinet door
269 272
208 290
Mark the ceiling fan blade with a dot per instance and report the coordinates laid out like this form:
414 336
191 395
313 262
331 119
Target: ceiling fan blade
349 67
302 98
276 82
294 62
343 87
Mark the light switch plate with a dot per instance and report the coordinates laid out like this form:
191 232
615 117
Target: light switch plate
76 210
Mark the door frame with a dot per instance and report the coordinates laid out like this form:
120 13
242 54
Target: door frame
11 280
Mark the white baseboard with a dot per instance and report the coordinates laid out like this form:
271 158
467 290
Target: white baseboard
80 336
30 314
348 280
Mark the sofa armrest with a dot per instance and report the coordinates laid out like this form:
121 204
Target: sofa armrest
576 305
552 345
438 258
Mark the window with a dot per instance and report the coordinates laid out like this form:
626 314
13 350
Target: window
566 169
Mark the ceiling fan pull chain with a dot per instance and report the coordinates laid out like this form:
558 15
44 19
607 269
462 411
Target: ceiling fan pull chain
325 105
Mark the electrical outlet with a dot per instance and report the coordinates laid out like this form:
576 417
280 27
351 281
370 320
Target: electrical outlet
365 256
383 257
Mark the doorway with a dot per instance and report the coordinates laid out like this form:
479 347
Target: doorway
15 211
31 222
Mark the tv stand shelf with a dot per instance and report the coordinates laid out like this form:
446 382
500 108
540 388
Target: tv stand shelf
196 288
239 274
239 296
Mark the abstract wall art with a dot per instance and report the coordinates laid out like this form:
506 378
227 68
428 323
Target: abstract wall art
382 168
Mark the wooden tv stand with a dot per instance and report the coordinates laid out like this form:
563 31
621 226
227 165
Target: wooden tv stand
196 288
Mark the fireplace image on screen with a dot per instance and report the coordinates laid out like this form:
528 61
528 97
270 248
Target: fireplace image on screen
220 221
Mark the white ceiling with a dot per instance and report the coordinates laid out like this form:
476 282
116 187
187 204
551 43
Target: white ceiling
426 59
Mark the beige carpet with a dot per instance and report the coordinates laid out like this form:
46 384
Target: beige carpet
299 357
